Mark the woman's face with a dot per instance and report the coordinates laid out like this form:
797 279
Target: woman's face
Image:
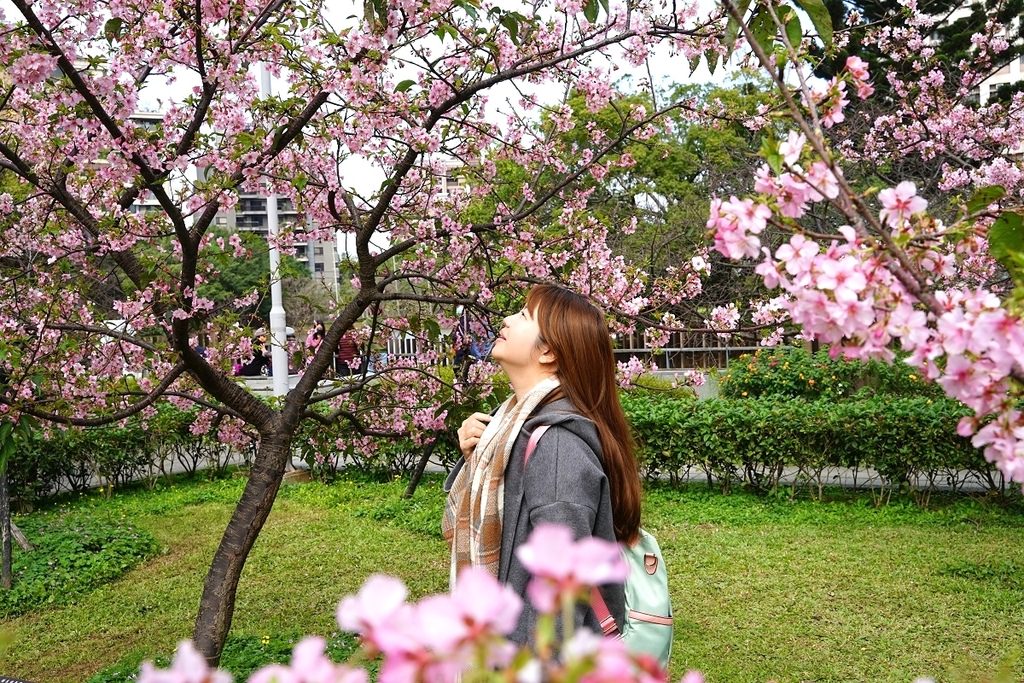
516 344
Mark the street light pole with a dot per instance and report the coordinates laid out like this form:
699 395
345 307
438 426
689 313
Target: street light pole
278 329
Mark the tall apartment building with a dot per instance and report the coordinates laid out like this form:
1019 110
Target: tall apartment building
250 215
1011 73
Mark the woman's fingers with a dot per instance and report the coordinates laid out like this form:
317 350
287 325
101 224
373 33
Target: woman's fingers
469 445
470 432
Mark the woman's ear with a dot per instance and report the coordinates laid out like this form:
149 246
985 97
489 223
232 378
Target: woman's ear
546 357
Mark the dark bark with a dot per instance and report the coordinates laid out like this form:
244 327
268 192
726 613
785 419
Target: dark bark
217 605
418 474
6 576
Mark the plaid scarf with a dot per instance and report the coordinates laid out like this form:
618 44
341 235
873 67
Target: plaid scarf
475 507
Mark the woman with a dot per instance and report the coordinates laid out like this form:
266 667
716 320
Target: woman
557 354
314 337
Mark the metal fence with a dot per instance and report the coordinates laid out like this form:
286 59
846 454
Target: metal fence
684 350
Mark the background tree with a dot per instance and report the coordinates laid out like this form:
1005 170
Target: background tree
237 278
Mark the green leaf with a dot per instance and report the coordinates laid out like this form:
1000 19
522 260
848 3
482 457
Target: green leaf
432 328
694 63
1006 242
446 31
985 196
763 29
770 153
470 7
511 24
590 11
793 31
113 29
732 29
820 17
380 9
6 443
6 451
405 85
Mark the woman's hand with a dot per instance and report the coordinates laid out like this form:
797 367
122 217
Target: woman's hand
470 431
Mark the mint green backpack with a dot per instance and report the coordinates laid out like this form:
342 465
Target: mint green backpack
648 628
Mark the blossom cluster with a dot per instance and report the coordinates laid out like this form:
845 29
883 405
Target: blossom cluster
895 279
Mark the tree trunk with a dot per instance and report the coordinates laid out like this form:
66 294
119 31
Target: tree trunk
217 605
421 466
21 538
6 575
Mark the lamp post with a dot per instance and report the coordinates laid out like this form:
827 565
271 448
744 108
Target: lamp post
278 329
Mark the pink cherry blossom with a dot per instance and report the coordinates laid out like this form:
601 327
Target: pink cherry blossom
486 606
857 67
187 666
737 223
822 181
792 147
371 612
309 664
900 203
563 567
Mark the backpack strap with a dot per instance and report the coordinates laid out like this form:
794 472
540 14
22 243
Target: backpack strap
608 626
604 616
531 445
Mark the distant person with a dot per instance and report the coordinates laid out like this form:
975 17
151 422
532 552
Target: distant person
467 347
346 352
260 363
315 337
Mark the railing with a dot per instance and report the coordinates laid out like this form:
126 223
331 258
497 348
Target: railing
407 346
683 351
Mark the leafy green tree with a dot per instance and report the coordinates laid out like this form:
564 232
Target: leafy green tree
239 277
653 195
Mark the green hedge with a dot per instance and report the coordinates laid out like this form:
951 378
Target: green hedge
797 373
60 460
729 440
752 440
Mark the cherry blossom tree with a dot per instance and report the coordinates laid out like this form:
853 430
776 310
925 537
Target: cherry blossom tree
410 88
942 286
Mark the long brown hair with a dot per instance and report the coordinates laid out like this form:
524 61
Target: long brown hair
576 333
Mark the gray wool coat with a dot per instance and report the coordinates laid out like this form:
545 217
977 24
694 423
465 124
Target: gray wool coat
565 484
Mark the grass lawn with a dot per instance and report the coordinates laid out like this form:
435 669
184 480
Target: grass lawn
763 589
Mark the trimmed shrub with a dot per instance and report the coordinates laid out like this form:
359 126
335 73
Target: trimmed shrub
797 373
70 460
903 440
